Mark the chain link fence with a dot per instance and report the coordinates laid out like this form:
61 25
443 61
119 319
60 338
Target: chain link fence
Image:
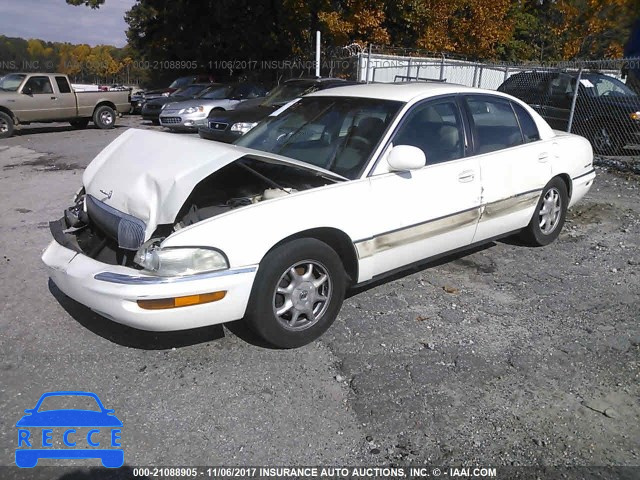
599 100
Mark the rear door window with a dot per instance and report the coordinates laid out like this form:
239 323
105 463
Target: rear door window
495 124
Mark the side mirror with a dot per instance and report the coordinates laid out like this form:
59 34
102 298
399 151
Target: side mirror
406 157
27 91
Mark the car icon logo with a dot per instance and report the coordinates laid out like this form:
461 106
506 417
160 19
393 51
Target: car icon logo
69 433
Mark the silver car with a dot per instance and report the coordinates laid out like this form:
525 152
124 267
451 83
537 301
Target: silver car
192 114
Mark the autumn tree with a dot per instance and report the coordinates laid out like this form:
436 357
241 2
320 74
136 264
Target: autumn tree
594 28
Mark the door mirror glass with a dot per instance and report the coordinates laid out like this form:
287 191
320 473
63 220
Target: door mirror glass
406 157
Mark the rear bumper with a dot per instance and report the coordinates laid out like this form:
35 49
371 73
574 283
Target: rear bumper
581 185
113 291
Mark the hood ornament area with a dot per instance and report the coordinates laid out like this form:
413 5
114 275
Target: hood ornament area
107 194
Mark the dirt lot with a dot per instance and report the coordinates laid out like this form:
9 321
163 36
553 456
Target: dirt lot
506 355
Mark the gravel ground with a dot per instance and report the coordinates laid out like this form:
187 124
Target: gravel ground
505 355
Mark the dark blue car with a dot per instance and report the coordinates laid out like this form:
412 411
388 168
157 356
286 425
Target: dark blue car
101 420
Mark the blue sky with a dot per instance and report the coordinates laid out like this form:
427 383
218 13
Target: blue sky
55 21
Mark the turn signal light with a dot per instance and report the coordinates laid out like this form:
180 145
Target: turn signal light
635 116
175 302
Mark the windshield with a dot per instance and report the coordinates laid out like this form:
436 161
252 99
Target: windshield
10 83
335 133
190 91
215 93
605 86
181 82
286 92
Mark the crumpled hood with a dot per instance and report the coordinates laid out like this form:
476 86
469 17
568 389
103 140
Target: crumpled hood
150 175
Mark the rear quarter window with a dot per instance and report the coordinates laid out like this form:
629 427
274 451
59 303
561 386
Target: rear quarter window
527 124
63 85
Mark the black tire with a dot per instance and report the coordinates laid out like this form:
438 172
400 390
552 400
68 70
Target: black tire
104 117
274 274
80 123
555 195
6 125
604 141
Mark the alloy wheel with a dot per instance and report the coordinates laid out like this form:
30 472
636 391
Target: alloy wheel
302 295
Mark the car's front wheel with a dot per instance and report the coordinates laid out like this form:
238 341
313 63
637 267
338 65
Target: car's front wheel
549 215
297 293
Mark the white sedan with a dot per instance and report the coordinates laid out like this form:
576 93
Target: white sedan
335 190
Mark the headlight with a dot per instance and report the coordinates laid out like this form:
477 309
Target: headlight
635 115
193 109
243 127
166 94
175 261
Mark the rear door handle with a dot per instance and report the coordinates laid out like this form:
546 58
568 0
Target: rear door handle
466 176
54 98
543 157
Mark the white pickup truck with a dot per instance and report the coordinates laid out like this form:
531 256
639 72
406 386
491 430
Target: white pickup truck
48 97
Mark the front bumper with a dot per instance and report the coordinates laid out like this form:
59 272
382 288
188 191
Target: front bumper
183 121
150 114
112 291
225 136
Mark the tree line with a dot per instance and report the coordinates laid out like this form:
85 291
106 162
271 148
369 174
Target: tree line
102 64
202 33
507 30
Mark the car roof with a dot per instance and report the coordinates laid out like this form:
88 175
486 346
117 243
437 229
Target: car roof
403 92
314 80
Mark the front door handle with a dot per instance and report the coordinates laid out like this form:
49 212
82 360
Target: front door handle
54 98
543 157
466 176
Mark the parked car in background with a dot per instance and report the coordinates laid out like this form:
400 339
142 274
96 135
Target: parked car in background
48 97
151 108
189 115
181 82
228 126
340 188
607 112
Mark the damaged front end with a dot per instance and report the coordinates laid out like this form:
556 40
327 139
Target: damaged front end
104 233
100 232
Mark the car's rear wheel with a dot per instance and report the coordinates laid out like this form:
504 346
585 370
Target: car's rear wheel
104 117
79 123
549 215
297 293
6 125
